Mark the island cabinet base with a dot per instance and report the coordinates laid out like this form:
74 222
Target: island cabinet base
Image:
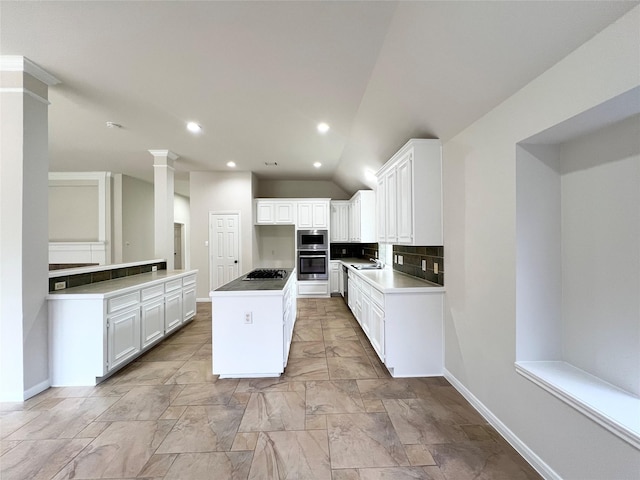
251 331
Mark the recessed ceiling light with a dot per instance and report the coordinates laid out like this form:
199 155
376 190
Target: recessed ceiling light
113 125
231 164
194 127
317 164
323 127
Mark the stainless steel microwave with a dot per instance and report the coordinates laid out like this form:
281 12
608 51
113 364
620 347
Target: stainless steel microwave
312 240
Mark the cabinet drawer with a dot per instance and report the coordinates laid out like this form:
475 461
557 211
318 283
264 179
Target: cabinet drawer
378 297
313 288
152 292
123 301
172 285
189 280
366 288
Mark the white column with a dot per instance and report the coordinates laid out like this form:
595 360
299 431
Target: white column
163 192
24 225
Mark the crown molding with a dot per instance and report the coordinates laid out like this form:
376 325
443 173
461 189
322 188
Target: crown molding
18 63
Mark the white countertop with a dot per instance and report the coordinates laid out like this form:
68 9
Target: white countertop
389 281
118 286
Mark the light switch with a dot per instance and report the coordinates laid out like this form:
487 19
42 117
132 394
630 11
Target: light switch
424 265
435 267
400 260
206 243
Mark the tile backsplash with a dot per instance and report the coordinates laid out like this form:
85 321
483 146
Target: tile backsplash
80 279
412 258
353 250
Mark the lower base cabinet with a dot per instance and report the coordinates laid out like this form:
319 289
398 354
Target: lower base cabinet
405 329
93 335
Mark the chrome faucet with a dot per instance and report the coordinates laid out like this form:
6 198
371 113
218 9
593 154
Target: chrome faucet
377 262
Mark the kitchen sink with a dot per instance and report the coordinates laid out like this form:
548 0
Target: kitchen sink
367 266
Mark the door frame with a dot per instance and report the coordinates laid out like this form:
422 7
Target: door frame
183 241
210 264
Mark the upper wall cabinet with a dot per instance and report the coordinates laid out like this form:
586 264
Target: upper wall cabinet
362 224
274 212
313 214
340 221
409 195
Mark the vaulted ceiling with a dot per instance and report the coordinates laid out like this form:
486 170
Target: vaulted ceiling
259 76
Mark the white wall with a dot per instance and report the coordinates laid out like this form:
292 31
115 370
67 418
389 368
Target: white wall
300 189
601 253
137 220
276 246
181 215
73 212
219 192
480 241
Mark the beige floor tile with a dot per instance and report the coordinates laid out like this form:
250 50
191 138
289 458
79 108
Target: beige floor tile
203 429
419 455
277 384
217 393
194 371
373 406
307 350
13 420
336 322
283 455
245 441
173 413
385 388
419 423
205 466
39 459
350 368
364 440
337 396
479 460
170 352
6 445
65 420
386 473
146 402
303 369
268 411
203 353
344 348
158 466
331 334
147 373
307 335
93 430
121 451
315 422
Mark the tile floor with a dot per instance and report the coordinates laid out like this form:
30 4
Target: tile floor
335 414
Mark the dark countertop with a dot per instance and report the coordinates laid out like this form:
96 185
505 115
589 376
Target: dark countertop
240 285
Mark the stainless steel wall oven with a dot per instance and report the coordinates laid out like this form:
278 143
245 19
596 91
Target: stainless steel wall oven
313 265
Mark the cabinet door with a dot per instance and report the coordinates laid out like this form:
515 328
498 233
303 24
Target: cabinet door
381 209
334 222
123 337
305 215
376 330
172 311
404 207
365 312
188 303
334 277
390 207
320 215
265 212
355 220
284 213
152 321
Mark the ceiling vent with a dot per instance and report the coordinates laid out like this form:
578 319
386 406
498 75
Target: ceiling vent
271 164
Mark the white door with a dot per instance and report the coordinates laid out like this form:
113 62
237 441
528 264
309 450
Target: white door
224 248
178 255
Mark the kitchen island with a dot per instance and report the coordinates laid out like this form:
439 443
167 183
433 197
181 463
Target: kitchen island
252 325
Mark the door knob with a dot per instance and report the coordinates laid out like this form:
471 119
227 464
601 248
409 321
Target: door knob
235 261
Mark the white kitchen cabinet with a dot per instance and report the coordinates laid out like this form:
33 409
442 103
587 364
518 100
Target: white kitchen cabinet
274 212
313 288
335 273
340 221
313 214
404 326
258 347
123 338
96 329
188 297
410 195
362 226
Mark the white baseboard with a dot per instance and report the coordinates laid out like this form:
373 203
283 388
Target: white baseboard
529 455
203 300
36 389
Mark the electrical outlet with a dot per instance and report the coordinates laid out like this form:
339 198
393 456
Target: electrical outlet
60 285
376 254
435 267
344 251
395 259
363 251
154 268
400 260
424 265
248 318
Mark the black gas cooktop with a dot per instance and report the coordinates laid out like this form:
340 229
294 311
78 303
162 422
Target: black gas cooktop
266 274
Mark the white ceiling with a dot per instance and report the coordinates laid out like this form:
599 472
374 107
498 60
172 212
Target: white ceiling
259 76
